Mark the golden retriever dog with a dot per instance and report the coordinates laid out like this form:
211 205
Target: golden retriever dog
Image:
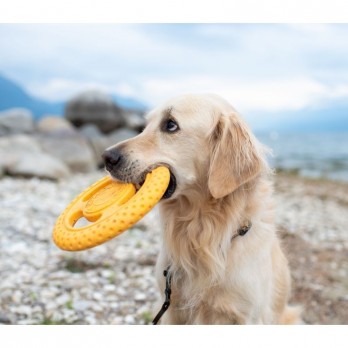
220 182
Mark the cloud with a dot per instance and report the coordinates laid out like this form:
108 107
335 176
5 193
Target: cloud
64 89
256 67
272 95
249 95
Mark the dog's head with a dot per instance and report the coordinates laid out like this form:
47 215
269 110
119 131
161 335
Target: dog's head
200 138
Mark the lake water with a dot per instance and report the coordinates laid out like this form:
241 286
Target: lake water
309 154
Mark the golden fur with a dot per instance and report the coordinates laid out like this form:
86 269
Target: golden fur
223 181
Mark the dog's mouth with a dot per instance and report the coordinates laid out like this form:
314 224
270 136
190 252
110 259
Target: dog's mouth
171 186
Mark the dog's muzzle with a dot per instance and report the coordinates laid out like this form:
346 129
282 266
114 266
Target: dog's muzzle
114 158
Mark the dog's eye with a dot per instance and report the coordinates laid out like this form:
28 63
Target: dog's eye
171 126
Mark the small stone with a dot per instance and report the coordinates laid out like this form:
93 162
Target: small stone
140 297
59 275
68 313
4 319
121 291
98 296
129 319
91 320
62 300
81 305
96 307
114 305
24 309
17 296
110 287
94 280
116 321
106 273
49 293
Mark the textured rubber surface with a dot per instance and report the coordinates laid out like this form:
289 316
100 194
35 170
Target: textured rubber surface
112 207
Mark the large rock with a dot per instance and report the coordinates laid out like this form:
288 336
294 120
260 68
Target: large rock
2 171
55 125
134 120
100 143
90 131
73 150
120 135
22 155
13 148
94 107
40 165
16 121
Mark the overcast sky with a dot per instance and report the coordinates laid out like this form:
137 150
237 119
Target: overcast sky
256 67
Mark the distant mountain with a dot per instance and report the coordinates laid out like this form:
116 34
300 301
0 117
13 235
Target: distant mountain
129 103
12 96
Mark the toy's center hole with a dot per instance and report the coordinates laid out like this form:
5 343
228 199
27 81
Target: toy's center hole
82 222
77 219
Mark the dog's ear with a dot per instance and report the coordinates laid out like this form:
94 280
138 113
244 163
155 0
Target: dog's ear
234 157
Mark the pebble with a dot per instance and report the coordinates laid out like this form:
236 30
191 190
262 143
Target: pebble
129 319
109 288
140 297
121 292
98 296
62 300
4 319
91 320
17 296
81 305
22 309
107 273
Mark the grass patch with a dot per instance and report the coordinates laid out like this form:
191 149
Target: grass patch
112 278
141 226
33 296
106 265
69 304
49 321
80 266
147 317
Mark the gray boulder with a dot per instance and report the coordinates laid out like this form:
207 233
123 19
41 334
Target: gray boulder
90 131
99 144
120 135
94 107
55 125
22 155
16 121
39 165
73 150
134 120
13 148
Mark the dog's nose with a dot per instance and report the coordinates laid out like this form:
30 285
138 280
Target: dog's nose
111 158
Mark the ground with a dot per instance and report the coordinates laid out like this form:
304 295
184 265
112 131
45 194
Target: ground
114 283
319 266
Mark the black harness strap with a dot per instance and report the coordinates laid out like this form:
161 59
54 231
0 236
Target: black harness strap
167 293
241 232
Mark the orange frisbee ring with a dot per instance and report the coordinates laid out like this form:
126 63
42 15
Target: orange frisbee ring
111 206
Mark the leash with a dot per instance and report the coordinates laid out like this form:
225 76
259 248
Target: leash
167 293
168 290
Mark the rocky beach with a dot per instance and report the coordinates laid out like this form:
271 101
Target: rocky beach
46 162
114 283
